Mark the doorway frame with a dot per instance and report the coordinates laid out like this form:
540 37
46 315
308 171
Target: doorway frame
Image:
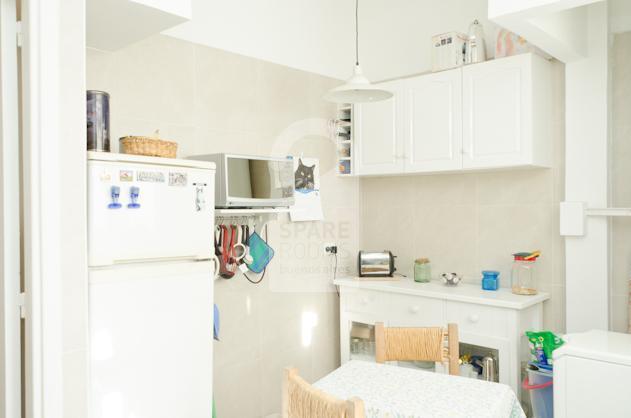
55 221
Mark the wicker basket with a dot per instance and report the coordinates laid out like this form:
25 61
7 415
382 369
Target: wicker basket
144 145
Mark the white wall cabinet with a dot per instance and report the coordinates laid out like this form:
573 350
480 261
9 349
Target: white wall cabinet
490 115
506 113
379 125
493 320
433 119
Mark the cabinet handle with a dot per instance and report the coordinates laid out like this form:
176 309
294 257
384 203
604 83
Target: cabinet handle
415 309
474 318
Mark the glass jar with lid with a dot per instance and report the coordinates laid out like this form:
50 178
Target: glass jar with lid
422 270
523 276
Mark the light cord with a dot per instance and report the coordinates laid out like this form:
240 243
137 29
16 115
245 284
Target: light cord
357 32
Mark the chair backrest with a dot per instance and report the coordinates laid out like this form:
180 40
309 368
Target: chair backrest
418 344
301 400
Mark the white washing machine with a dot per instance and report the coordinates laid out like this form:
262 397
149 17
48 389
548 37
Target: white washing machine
592 376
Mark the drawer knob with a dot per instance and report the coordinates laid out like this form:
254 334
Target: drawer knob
474 318
415 309
364 301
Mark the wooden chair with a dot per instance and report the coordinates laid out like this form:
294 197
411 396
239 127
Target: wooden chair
301 400
418 344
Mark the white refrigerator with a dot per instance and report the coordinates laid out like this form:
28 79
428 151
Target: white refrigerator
151 269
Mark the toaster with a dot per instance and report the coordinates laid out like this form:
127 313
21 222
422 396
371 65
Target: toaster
375 264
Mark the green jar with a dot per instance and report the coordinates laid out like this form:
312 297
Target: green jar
422 270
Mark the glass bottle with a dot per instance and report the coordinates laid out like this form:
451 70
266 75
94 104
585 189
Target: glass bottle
422 270
523 278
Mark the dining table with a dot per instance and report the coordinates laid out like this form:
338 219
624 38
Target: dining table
390 391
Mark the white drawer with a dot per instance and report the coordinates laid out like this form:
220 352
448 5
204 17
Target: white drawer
478 319
364 301
415 311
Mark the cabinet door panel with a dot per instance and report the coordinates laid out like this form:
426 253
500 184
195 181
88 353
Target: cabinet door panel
377 135
497 117
434 113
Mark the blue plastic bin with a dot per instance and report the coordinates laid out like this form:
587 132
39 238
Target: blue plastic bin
539 385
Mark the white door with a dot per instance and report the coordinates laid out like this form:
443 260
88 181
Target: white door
434 116
497 118
378 135
151 340
10 352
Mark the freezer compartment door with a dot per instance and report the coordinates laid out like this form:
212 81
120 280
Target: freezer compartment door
150 329
141 211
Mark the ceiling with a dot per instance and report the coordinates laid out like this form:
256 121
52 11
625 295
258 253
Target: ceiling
318 35
311 35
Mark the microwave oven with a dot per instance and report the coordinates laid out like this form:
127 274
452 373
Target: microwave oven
244 181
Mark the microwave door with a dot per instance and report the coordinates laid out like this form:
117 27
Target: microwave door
259 182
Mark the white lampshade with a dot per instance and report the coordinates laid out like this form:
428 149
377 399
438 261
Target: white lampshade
357 90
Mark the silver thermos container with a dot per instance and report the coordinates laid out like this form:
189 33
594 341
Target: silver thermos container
475 46
489 369
98 120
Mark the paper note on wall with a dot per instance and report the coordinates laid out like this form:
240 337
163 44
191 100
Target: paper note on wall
308 206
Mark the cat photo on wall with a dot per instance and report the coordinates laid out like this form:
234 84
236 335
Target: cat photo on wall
304 176
307 206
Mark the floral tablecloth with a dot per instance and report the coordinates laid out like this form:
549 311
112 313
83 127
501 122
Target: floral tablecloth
399 392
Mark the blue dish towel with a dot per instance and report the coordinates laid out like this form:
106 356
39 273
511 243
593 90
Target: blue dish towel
216 323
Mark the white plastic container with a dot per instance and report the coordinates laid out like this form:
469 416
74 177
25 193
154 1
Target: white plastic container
540 387
448 50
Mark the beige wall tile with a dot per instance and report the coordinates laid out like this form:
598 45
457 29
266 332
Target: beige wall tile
516 187
238 388
620 174
554 308
446 234
619 312
506 229
445 189
378 192
226 91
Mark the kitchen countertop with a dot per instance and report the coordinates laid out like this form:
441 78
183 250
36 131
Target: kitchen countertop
601 345
463 292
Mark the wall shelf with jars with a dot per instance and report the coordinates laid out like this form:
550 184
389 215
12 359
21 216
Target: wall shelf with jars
344 139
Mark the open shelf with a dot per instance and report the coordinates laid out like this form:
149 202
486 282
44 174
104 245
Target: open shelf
250 211
344 140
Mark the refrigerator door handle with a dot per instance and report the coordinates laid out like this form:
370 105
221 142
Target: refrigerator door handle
217 266
156 260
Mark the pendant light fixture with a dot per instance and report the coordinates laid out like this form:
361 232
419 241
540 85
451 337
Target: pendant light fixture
357 89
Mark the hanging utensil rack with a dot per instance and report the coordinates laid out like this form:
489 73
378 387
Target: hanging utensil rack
258 216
